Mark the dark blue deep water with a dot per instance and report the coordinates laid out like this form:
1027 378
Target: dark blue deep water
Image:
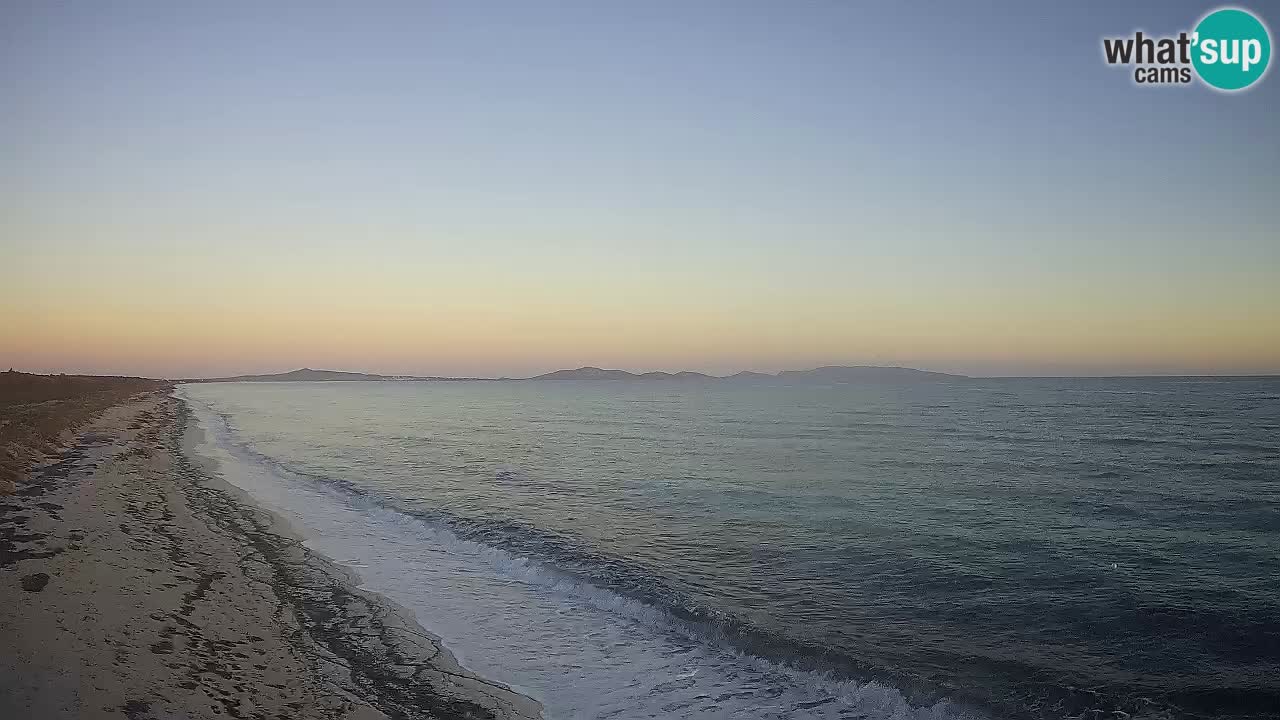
1005 548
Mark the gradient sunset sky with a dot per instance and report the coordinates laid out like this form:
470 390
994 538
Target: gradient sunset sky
507 188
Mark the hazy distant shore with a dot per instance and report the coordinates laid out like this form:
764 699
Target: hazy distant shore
134 585
825 375
829 373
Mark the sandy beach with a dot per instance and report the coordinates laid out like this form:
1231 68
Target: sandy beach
133 584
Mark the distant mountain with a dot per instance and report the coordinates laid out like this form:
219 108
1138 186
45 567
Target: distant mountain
587 373
691 375
595 373
302 375
749 375
862 373
683 375
828 374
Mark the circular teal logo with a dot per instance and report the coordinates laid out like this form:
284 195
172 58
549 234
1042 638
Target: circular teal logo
1231 49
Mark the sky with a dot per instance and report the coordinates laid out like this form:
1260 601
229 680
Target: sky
494 188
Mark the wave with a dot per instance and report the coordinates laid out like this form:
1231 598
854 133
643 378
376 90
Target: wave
825 683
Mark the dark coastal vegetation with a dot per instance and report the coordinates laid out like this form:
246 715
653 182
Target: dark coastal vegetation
37 412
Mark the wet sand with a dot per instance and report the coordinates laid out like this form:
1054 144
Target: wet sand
134 585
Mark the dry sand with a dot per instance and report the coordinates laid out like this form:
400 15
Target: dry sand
131 585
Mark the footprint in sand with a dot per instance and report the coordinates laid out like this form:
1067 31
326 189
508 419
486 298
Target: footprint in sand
35 582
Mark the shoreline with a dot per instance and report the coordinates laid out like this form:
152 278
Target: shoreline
137 583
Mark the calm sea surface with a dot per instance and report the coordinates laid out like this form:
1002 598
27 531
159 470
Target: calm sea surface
993 548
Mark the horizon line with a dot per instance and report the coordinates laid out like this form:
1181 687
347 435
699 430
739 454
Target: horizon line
404 377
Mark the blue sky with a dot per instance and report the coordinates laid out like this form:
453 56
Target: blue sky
717 154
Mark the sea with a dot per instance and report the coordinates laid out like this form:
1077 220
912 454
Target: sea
993 548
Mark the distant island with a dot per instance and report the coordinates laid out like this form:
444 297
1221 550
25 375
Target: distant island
826 374
301 375
309 375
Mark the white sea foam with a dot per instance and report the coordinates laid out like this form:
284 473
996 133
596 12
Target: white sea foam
583 651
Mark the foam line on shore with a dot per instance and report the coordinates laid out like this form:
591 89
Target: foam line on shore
582 650
135 582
